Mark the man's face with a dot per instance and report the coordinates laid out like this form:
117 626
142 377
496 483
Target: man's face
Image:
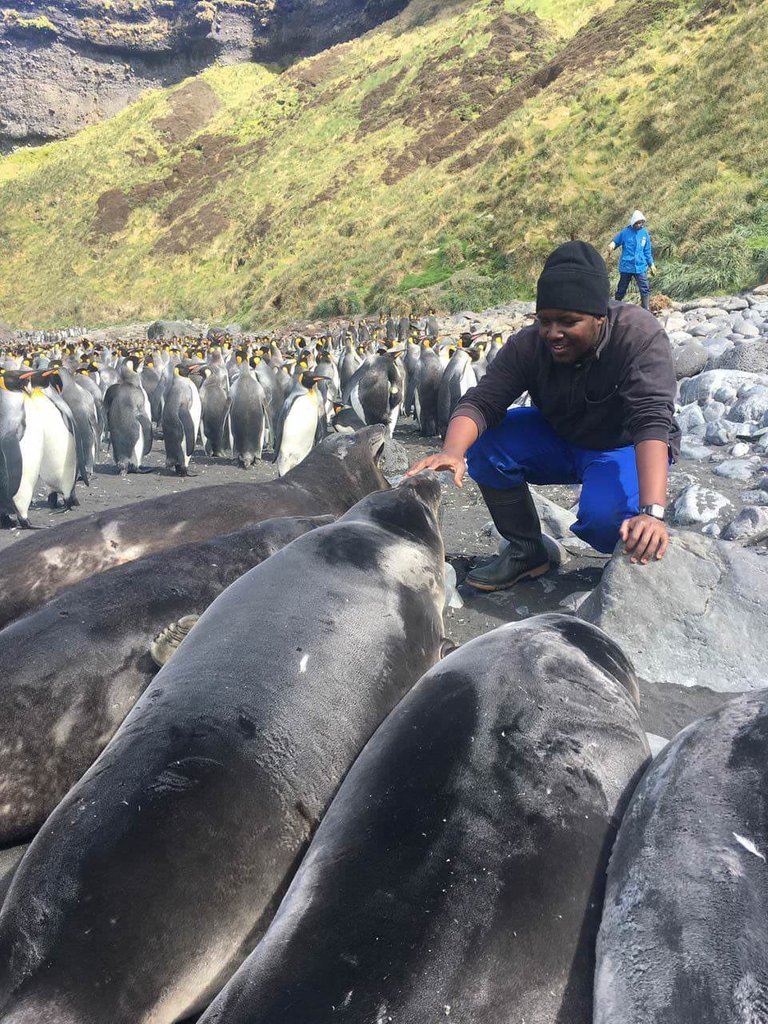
638 224
569 335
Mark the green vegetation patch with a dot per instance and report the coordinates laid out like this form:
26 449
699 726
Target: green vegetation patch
435 160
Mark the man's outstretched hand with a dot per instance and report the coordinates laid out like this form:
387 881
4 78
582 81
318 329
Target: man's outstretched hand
443 460
644 538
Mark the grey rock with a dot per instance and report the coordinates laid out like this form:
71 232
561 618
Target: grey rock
453 598
752 407
708 384
749 527
756 497
691 419
689 359
736 469
692 449
692 618
740 450
735 303
656 743
751 358
713 411
555 520
721 432
698 504
574 601
711 530
705 329
164 330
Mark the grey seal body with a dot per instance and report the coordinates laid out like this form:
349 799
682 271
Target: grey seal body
71 670
459 871
336 474
683 931
158 872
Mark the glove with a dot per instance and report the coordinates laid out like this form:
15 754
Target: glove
652 270
610 249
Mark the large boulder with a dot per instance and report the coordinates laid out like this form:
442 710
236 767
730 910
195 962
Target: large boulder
697 617
750 358
165 330
689 359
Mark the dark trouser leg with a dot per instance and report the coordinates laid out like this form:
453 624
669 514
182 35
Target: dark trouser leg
621 288
645 290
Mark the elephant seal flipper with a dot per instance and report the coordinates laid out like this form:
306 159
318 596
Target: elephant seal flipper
167 642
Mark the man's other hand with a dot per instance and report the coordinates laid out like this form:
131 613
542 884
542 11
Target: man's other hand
644 538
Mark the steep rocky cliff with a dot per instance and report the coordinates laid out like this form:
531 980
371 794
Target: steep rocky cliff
70 63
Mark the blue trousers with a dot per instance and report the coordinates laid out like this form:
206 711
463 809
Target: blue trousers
523 448
624 279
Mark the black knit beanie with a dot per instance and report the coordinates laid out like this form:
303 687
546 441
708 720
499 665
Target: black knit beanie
574 277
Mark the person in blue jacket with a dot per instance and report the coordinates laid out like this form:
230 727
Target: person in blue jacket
636 258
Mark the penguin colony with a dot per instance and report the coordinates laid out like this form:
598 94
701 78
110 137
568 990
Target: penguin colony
286 824
60 405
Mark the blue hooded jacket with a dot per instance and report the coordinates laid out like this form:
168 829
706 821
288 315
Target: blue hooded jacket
636 252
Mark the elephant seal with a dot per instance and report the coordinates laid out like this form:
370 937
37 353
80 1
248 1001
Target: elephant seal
460 868
155 876
335 475
71 670
682 937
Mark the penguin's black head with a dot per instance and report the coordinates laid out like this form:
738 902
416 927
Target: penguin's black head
309 380
52 379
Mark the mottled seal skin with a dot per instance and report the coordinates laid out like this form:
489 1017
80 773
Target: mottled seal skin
459 871
683 934
71 670
331 479
155 876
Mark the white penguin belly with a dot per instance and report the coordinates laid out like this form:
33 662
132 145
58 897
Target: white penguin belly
354 401
298 433
31 446
58 467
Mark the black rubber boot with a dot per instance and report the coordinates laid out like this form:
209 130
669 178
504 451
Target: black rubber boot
515 517
645 302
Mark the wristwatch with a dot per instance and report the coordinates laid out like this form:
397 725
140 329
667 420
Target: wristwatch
657 511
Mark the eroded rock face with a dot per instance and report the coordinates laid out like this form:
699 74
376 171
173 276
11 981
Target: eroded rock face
75 62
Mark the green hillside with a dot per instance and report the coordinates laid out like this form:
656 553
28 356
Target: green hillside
437 158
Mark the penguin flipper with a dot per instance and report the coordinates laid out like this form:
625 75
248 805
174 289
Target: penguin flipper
11 465
189 430
146 426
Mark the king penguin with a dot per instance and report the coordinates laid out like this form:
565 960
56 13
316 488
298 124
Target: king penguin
299 424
